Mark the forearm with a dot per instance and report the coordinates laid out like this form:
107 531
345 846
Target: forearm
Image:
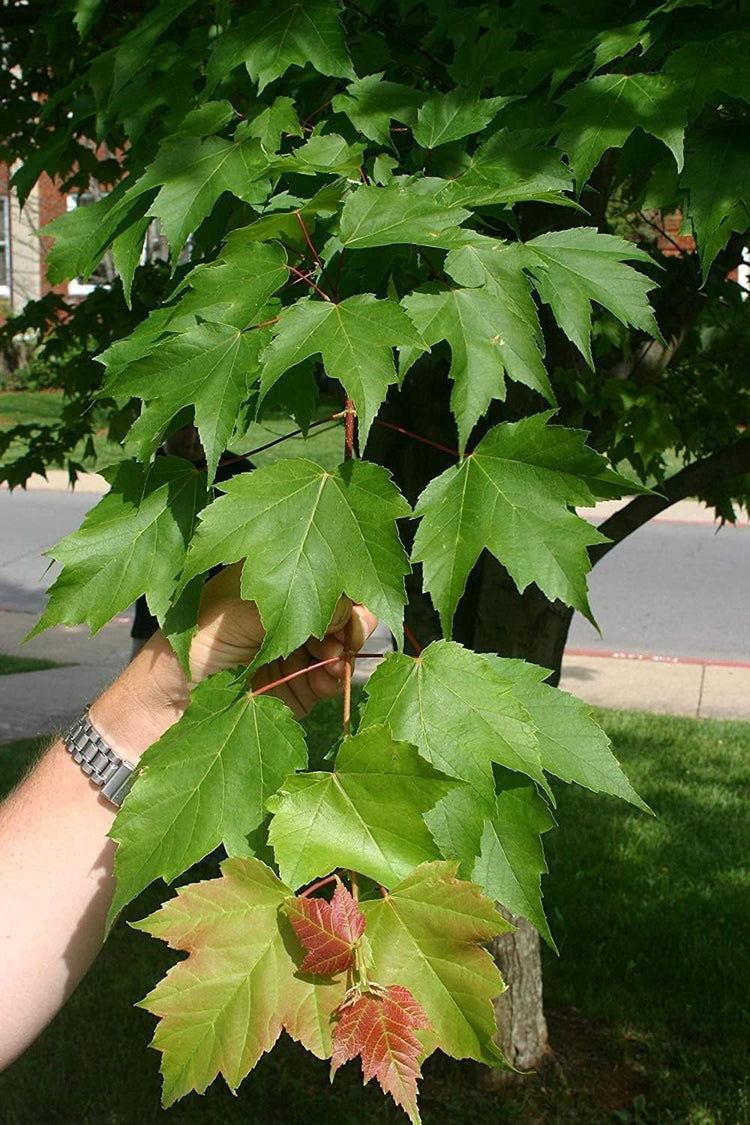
56 862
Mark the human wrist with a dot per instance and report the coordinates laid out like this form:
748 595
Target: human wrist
146 699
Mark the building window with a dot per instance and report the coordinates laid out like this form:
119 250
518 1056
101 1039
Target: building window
105 272
4 246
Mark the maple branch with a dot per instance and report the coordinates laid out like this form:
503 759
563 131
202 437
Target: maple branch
318 884
417 437
311 247
346 710
732 460
306 277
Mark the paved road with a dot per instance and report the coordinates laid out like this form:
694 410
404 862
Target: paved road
670 589
674 590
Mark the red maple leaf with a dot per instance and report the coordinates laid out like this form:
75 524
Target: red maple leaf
379 1026
328 931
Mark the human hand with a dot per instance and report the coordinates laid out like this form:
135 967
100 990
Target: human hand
153 691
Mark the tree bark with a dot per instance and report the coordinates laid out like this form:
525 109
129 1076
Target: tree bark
521 1026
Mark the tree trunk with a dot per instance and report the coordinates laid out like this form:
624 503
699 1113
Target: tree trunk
521 1026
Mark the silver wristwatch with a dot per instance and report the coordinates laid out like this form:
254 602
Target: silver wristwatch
113 775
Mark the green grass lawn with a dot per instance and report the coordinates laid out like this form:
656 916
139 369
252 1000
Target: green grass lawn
10 664
23 407
647 1002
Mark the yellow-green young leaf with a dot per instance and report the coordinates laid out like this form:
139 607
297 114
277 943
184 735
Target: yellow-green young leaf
371 104
572 268
356 340
410 212
487 338
512 495
204 783
427 932
281 34
227 1003
717 177
211 367
510 860
603 112
133 542
572 744
367 814
448 117
308 536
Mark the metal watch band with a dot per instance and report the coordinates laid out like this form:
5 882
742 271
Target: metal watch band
99 761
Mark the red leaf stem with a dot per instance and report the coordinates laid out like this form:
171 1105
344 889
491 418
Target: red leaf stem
311 248
319 664
317 885
263 324
306 277
417 437
412 639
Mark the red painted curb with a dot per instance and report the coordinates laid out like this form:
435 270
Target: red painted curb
645 656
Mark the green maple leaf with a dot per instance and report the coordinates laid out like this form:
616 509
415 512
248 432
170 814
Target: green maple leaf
512 167
400 213
603 112
284 225
487 338
427 931
356 340
449 117
81 236
193 173
574 267
308 536
371 104
210 367
282 34
367 814
512 495
572 745
270 124
716 175
226 1004
133 542
715 64
204 783
233 290
459 713
510 860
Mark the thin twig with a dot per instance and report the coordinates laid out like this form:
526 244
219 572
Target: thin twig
311 247
306 277
417 437
346 712
277 441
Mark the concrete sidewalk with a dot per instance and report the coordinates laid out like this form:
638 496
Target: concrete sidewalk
33 703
